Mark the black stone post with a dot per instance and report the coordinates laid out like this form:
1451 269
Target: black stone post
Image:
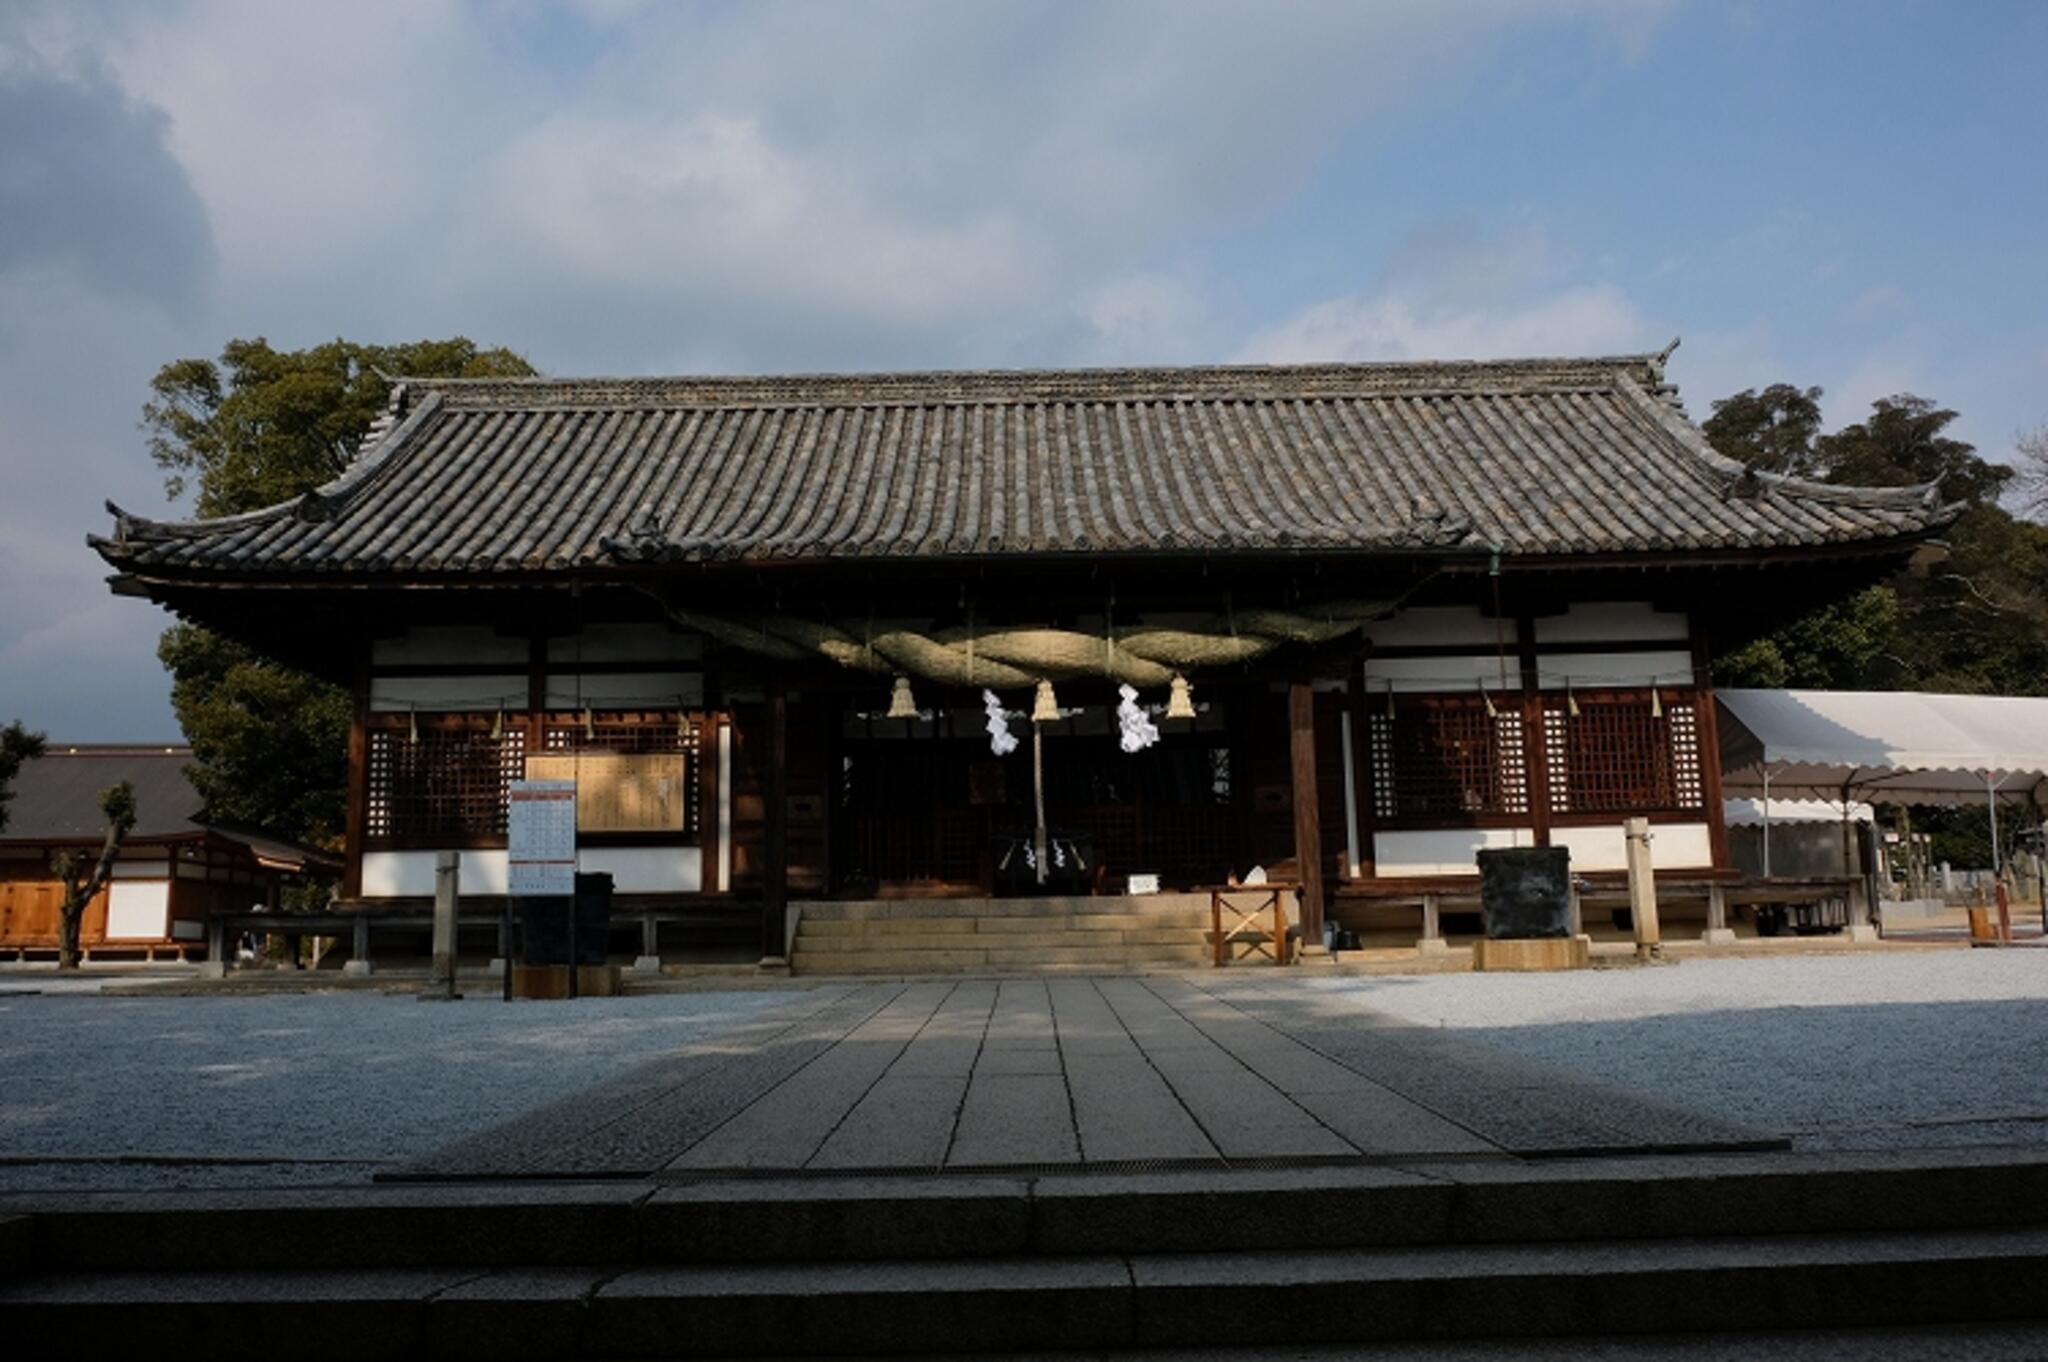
775 856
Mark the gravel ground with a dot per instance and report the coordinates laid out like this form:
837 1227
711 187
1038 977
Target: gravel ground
330 1086
1839 1052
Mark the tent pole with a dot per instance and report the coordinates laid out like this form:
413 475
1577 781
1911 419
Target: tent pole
1991 799
1767 822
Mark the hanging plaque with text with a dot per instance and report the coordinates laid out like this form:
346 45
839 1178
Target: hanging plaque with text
541 838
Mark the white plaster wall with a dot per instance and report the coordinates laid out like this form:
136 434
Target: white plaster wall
1411 675
137 910
400 874
389 694
1586 671
647 870
1450 851
462 643
1610 622
627 690
634 870
1438 626
626 643
1673 846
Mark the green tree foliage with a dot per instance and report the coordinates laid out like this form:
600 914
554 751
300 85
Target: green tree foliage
1847 639
1976 623
1772 430
269 744
17 745
262 426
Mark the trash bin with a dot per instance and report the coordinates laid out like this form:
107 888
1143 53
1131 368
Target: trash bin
593 917
1526 892
544 923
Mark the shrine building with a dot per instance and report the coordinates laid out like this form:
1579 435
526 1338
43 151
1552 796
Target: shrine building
868 637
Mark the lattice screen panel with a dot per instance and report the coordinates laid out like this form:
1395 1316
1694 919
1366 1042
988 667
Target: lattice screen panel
445 787
1615 756
1437 759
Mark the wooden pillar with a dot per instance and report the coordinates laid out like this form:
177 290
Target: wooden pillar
1707 724
775 856
1308 835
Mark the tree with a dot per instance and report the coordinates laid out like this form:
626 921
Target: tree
1901 444
262 426
1977 623
1772 430
279 422
269 744
2031 479
17 745
117 803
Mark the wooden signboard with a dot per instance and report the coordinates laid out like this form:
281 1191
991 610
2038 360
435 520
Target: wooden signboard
621 791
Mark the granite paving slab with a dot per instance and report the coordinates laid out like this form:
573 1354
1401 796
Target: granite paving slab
1520 1105
640 1123
1077 1072
784 1127
1015 1119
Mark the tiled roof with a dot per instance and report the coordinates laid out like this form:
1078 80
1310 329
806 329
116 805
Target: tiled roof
1535 457
57 796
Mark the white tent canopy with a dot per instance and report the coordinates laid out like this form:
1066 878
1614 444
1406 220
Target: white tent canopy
1887 747
1896 747
1749 813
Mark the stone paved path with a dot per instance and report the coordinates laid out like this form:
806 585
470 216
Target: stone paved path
1110 1073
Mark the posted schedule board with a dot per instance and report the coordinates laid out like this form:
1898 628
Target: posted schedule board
541 838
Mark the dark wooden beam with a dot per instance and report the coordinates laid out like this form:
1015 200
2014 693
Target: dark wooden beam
1308 833
775 857
356 816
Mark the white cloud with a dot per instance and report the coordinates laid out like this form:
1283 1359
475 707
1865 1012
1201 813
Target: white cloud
1878 375
1592 319
630 187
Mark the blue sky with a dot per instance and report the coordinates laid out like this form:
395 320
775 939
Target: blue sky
1849 195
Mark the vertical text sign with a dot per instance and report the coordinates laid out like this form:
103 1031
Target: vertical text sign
541 835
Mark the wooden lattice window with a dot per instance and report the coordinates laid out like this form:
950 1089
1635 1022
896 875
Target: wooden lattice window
1446 760
444 786
1617 756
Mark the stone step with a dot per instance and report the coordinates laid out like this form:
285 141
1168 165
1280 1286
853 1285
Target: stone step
862 928
1030 1213
1052 905
950 1306
895 963
1005 941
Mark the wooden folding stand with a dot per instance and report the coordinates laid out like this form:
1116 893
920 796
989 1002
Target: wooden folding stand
1248 904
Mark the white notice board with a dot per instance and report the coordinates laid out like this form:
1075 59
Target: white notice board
541 837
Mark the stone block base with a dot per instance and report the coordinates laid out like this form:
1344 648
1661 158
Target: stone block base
1718 936
1532 953
1432 945
355 969
646 964
1859 931
552 981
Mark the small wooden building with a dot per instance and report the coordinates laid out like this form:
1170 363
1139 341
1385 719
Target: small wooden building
175 871
790 633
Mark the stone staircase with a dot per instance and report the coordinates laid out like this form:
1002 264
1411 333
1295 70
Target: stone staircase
1003 936
1939 1242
